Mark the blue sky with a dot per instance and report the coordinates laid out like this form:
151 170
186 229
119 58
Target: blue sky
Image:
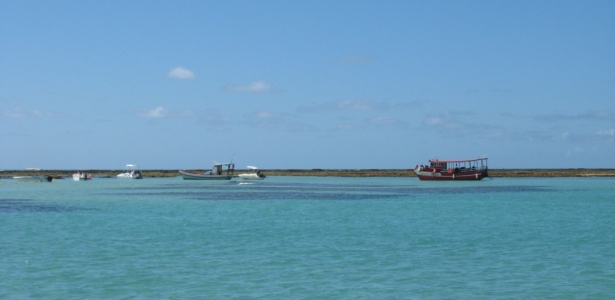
306 84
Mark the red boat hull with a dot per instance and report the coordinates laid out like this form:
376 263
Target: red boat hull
445 175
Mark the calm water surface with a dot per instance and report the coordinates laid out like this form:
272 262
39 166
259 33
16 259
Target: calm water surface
308 238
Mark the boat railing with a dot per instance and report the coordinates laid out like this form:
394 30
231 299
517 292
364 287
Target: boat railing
468 169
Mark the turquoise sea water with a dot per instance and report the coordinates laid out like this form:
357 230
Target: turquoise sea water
308 238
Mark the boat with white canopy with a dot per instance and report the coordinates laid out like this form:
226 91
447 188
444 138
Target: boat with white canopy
131 172
218 173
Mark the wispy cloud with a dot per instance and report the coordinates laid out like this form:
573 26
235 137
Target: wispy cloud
158 112
353 60
215 121
384 121
181 73
353 105
462 124
590 115
267 119
278 121
210 119
348 127
564 135
574 151
568 137
450 121
606 136
20 113
254 87
607 132
357 105
161 112
264 115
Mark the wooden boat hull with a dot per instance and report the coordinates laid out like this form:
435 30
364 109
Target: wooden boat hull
199 176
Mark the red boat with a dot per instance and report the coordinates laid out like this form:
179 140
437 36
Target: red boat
468 169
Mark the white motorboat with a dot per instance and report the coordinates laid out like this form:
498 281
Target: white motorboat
255 174
79 176
131 172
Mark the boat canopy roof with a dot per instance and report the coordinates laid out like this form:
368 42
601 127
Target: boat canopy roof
252 167
456 161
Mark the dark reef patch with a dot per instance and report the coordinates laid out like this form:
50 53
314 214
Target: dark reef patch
31 206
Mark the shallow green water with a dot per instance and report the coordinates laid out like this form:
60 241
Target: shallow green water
308 238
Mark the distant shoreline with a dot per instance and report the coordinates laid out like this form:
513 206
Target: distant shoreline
7 174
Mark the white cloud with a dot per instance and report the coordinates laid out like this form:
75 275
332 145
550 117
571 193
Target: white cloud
181 73
254 87
158 112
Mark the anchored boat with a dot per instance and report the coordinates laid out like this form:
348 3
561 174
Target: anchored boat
219 172
131 172
81 176
255 174
468 169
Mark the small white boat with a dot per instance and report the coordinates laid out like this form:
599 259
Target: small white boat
35 178
255 174
131 172
219 173
79 176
